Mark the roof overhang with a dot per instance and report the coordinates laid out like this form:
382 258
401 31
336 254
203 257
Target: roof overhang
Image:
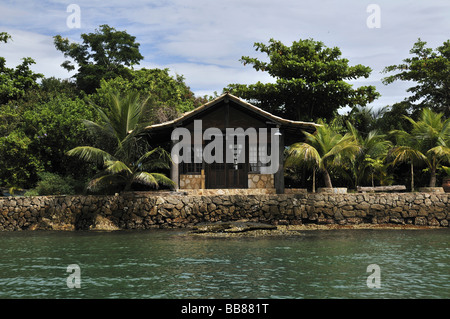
276 120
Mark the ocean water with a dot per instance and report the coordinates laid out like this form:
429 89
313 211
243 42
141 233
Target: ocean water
170 264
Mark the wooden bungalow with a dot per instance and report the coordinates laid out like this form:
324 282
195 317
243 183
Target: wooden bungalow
229 111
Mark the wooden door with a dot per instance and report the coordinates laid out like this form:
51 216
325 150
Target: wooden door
227 175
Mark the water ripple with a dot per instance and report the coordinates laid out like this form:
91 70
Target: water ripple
163 264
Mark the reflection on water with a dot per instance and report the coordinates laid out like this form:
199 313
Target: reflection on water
169 264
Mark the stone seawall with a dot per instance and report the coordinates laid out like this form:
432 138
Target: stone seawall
159 210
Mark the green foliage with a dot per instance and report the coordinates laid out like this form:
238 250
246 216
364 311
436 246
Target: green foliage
446 170
310 81
4 37
369 162
104 54
168 96
56 127
53 184
428 141
325 150
126 159
406 153
19 164
36 132
9 119
430 71
393 117
364 119
15 82
378 170
40 123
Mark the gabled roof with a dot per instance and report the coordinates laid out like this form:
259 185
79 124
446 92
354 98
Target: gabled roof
308 126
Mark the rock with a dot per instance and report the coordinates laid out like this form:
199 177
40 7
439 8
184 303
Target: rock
103 223
376 207
420 221
231 227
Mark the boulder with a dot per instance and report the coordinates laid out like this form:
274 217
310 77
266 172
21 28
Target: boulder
231 227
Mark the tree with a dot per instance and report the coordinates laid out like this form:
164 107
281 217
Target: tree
126 158
39 130
168 96
104 54
393 117
326 149
19 165
15 82
430 70
56 127
364 119
310 81
370 158
429 141
404 153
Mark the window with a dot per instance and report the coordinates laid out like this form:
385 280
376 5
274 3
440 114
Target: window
193 168
253 158
258 158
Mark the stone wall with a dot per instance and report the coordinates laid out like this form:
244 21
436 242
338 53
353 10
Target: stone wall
229 191
188 181
171 210
260 181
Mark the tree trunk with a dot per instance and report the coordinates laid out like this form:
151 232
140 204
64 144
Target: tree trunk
412 177
433 174
327 179
314 180
433 178
373 184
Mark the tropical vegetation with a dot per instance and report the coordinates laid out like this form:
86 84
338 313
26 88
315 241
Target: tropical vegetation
429 70
324 150
369 163
311 81
85 133
428 141
125 153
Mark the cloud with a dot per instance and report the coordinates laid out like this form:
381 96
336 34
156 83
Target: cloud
206 76
204 40
36 46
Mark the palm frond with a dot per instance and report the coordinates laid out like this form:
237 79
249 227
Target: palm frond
104 181
402 137
405 154
117 167
440 151
303 152
157 158
91 154
153 179
342 148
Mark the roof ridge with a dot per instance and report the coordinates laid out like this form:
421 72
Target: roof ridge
239 101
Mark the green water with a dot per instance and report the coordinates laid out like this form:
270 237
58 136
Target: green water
169 264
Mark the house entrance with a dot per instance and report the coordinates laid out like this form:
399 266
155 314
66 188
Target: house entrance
228 175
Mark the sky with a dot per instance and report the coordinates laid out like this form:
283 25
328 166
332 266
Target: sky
203 40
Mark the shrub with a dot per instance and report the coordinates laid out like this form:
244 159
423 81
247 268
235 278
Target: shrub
53 184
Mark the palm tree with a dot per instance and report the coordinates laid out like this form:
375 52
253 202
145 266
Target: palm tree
429 141
125 154
373 150
406 154
325 149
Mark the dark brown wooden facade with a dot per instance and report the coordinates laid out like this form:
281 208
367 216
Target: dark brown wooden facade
228 111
